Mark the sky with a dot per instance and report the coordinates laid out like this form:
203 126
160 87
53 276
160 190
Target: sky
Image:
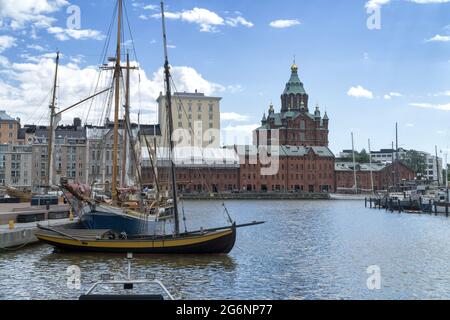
369 64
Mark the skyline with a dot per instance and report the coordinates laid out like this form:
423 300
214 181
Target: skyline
365 79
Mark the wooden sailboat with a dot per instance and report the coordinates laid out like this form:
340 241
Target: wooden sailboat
111 239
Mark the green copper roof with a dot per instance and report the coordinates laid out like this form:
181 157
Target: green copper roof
294 86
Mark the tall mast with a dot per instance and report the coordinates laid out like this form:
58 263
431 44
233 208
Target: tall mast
354 165
116 107
125 123
397 178
371 170
169 113
51 127
437 167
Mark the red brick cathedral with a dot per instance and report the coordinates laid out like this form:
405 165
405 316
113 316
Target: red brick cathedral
294 125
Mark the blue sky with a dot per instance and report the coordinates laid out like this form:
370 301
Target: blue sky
365 79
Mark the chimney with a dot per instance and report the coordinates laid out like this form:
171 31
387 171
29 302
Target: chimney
77 122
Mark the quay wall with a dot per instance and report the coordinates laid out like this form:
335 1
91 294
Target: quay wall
23 234
256 196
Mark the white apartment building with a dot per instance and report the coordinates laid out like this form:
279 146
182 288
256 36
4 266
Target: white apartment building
196 120
433 169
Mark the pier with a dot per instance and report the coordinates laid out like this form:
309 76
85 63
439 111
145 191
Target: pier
409 206
19 221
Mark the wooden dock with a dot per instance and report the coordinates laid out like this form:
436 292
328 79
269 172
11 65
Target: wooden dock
409 206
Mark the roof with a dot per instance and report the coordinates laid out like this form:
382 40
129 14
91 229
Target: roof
349 166
194 156
279 117
284 151
294 86
190 95
61 133
5 117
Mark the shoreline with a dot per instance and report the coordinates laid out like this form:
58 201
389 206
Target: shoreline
257 196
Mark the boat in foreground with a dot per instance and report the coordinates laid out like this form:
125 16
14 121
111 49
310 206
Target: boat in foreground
212 241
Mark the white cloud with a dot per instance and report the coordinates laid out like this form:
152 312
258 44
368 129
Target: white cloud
234 22
429 1
280 24
409 125
66 34
439 38
16 14
151 7
4 62
235 88
233 116
360 92
443 107
7 42
374 4
441 94
389 96
36 47
208 21
24 92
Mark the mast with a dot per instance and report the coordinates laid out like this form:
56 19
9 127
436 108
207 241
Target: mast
116 107
169 113
437 167
371 170
51 127
354 165
397 177
125 123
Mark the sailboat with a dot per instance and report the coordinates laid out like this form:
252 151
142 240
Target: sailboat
111 239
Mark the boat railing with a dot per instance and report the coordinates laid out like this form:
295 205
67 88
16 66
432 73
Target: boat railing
128 285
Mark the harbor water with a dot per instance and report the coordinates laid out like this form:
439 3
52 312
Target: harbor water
306 250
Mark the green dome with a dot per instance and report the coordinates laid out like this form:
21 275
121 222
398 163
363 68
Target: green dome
294 86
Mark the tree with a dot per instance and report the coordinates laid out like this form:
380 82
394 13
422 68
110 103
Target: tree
360 157
363 156
415 160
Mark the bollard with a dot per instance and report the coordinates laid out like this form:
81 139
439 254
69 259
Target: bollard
399 206
11 224
365 202
446 209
